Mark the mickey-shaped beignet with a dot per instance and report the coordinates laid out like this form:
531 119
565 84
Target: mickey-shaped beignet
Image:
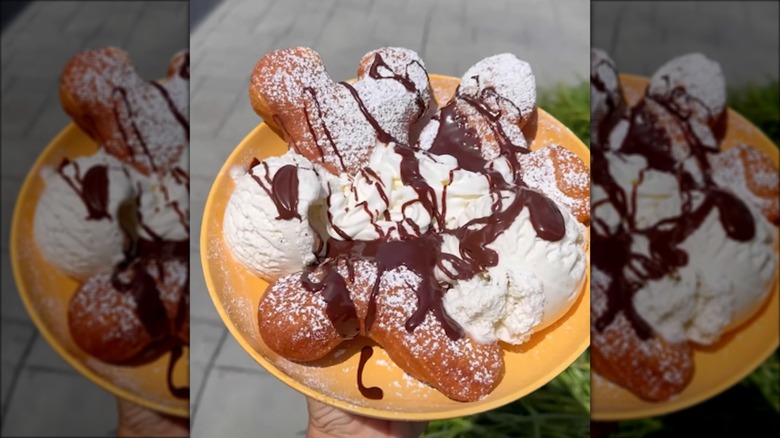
337 124
143 123
305 325
132 314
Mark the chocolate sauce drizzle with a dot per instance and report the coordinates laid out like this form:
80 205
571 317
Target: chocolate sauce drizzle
475 256
143 288
92 188
612 252
313 94
149 306
185 124
181 178
615 109
404 80
420 251
282 188
339 306
374 392
381 134
130 116
183 121
455 137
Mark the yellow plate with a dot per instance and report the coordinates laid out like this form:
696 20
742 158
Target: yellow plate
236 293
717 367
46 293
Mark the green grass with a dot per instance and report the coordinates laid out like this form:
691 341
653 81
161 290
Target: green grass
570 105
760 105
561 407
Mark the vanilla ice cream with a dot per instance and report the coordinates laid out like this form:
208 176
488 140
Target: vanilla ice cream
723 284
534 283
266 224
77 220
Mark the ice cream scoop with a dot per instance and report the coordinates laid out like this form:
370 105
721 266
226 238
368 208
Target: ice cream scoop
724 282
78 219
266 223
534 282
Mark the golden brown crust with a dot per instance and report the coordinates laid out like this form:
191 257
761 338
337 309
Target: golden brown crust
335 124
294 323
129 117
560 174
652 369
105 322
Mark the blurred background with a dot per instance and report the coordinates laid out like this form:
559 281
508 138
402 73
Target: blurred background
743 37
41 394
232 394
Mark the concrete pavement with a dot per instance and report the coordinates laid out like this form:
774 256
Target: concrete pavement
641 36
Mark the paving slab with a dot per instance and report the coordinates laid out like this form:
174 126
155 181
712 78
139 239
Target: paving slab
59 403
744 37
248 404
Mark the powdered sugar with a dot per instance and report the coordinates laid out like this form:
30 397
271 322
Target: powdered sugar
564 178
326 121
701 81
511 78
146 123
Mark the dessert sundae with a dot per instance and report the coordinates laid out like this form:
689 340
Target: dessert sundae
434 231
684 231
117 221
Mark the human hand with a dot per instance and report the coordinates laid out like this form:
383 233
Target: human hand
138 421
329 422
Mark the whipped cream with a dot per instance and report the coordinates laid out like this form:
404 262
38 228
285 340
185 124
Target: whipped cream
163 203
376 204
